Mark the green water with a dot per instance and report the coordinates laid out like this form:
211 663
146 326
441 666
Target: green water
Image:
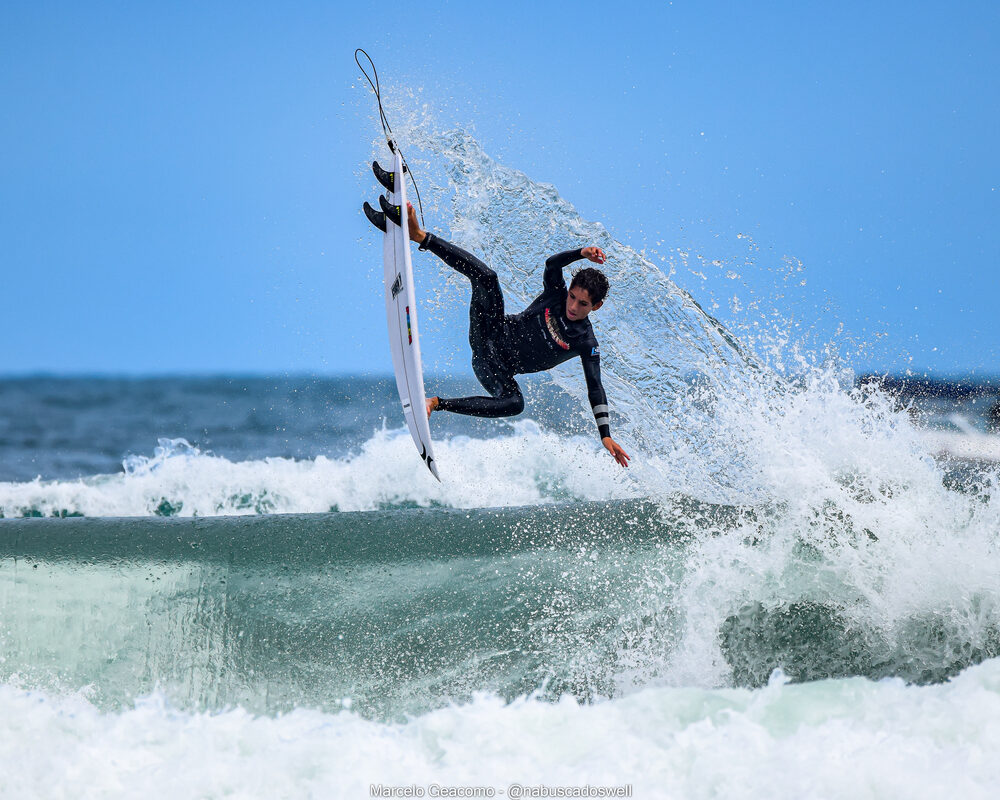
397 611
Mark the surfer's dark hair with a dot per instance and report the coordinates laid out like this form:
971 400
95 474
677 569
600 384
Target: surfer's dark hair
594 281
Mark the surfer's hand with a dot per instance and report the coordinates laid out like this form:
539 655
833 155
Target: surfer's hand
432 404
416 234
595 254
616 450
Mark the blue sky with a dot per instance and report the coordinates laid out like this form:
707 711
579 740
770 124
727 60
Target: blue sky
179 183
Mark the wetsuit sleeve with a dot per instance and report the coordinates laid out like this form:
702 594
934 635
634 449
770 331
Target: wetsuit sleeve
553 277
595 391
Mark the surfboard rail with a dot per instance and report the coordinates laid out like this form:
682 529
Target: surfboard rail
401 313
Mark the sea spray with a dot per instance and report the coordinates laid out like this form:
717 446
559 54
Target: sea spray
665 362
862 558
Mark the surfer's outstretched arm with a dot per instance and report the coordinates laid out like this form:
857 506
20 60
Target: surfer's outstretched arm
554 265
595 393
553 275
599 405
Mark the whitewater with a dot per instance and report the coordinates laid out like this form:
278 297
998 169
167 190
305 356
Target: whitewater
209 588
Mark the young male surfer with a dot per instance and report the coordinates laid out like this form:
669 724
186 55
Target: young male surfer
553 329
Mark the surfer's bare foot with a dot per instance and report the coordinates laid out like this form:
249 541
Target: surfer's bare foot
432 404
417 234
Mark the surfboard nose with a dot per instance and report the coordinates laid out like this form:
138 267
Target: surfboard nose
395 213
376 218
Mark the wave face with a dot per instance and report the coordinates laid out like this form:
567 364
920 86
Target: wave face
394 609
403 610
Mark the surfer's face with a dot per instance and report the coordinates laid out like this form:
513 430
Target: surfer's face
578 303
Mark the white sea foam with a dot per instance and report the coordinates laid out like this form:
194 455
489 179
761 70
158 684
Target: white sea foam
526 467
859 519
844 738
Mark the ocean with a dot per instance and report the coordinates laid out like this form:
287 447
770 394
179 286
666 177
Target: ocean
238 586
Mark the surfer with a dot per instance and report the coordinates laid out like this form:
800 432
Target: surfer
553 329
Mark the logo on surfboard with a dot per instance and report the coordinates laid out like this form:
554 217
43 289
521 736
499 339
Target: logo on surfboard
397 286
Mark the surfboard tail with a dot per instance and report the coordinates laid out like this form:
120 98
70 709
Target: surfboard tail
430 462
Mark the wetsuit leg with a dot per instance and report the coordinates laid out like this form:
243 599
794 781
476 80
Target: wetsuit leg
486 327
509 404
506 399
486 310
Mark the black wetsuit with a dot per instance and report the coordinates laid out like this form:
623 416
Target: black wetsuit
537 339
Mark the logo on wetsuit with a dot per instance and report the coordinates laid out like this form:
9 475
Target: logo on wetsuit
550 323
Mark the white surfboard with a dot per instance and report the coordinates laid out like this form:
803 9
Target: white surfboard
401 316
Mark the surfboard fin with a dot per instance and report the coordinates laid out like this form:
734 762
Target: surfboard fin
395 213
376 218
387 179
